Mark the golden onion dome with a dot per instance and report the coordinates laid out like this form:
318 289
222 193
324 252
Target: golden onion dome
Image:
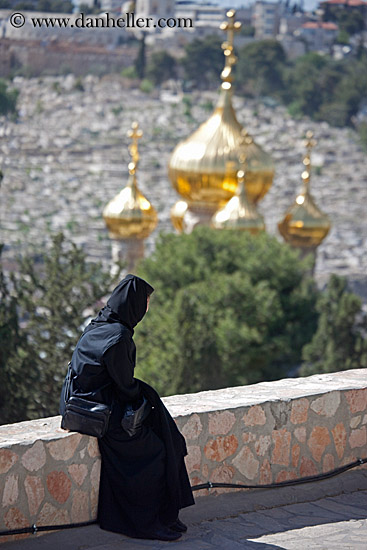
203 168
304 224
130 215
239 212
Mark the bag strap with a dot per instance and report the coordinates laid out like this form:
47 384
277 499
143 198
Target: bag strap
68 382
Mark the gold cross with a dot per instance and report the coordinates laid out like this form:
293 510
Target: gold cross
309 143
135 134
231 26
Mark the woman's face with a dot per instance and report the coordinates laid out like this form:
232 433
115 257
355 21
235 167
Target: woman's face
148 299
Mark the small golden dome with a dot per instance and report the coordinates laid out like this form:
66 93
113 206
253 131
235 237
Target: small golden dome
239 212
130 215
304 224
203 168
178 211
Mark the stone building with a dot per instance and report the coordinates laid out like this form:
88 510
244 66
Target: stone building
266 19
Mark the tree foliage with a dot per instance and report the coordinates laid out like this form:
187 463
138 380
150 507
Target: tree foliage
161 67
261 67
8 98
53 296
140 61
313 85
349 20
203 61
340 341
229 309
16 377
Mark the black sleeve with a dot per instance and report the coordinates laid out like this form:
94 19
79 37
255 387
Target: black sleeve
121 369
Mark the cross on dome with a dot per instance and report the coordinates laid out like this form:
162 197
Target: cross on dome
231 26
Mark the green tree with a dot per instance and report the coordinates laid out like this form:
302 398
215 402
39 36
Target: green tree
348 20
16 376
247 30
302 84
343 37
8 98
260 67
340 342
203 62
55 293
140 60
161 67
86 8
229 309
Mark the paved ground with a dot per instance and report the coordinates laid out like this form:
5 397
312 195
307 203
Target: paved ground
330 523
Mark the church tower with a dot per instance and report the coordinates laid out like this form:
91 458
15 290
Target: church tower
129 217
304 225
203 168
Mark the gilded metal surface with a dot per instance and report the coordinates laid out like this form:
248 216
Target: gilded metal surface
239 212
178 212
304 224
203 168
130 215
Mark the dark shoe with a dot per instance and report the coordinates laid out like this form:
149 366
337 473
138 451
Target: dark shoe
178 526
165 533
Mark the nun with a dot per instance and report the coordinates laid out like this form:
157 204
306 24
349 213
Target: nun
144 482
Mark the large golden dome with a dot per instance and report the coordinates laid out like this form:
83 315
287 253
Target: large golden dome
130 215
304 224
203 168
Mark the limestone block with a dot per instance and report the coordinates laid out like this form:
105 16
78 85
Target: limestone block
7 460
34 458
50 515
193 427
308 467
281 450
318 441
262 445
221 423
246 463
80 507
327 405
266 476
220 448
11 490
193 458
59 486
299 411
35 493
255 416
78 473
340 439
64 449
300 434
357 400
358 438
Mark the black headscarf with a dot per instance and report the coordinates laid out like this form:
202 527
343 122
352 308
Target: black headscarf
127 303
129 300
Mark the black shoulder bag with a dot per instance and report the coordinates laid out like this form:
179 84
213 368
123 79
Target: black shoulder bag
81 415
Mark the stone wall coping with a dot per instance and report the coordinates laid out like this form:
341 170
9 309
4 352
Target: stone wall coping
286 389
48 429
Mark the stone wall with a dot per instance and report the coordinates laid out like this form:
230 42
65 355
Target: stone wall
47 57
257 434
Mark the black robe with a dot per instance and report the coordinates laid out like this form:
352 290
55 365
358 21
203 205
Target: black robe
143 482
